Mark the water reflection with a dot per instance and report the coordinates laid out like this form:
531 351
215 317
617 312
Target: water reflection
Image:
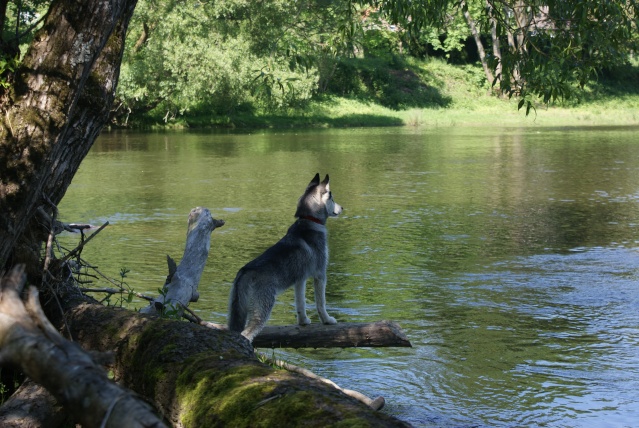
510 256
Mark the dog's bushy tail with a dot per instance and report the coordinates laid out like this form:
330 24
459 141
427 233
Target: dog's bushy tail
237 306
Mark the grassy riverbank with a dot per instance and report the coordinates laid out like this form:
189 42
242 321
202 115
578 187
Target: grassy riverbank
435 94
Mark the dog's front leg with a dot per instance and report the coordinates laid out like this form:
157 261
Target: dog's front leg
320 300
300 303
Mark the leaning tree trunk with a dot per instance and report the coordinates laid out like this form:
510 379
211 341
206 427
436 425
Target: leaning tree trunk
496 44
477 37
50 118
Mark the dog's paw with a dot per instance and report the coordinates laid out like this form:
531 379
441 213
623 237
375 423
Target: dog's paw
304 321
329 320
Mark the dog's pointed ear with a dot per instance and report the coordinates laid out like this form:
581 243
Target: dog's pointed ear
325 182
315 181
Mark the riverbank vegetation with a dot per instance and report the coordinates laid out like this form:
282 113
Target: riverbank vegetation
338 64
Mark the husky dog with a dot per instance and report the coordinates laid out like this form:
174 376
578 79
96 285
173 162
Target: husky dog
301 254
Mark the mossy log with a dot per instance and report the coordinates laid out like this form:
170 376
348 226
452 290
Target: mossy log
201 377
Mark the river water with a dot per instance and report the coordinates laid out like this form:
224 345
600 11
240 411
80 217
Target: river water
509 256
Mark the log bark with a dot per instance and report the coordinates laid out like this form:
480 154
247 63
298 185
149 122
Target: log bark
31 406
29 341
182 285
201 377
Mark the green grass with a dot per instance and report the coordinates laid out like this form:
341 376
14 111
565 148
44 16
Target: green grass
432 93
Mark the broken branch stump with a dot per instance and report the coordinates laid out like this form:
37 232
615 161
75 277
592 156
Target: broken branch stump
182 284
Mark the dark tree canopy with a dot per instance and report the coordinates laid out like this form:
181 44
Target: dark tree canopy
539 48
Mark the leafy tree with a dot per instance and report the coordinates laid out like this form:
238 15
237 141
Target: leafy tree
554 46
222 56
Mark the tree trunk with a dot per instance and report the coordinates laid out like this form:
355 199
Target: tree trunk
61 98
496 44
477 37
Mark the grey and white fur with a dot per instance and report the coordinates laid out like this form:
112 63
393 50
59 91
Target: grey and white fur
301 254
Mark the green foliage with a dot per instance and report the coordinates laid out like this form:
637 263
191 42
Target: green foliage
10 381
168 308
225 57
548 50
193 63
447 37
8 65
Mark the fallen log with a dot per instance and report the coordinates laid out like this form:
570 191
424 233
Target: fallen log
387 333
201 377
341 335
31 406
380 334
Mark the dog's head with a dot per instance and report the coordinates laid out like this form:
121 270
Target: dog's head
317 201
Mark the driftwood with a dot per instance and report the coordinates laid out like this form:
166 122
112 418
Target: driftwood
182 283
341 335
29 341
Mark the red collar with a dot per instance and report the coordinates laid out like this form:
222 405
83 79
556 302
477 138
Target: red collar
313 219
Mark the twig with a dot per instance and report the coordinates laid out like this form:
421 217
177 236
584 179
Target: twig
57 301
191 316
52 219
266 400
375 404
114 291
83 243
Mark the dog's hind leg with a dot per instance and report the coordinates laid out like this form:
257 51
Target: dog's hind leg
258 314
319 284
300 303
